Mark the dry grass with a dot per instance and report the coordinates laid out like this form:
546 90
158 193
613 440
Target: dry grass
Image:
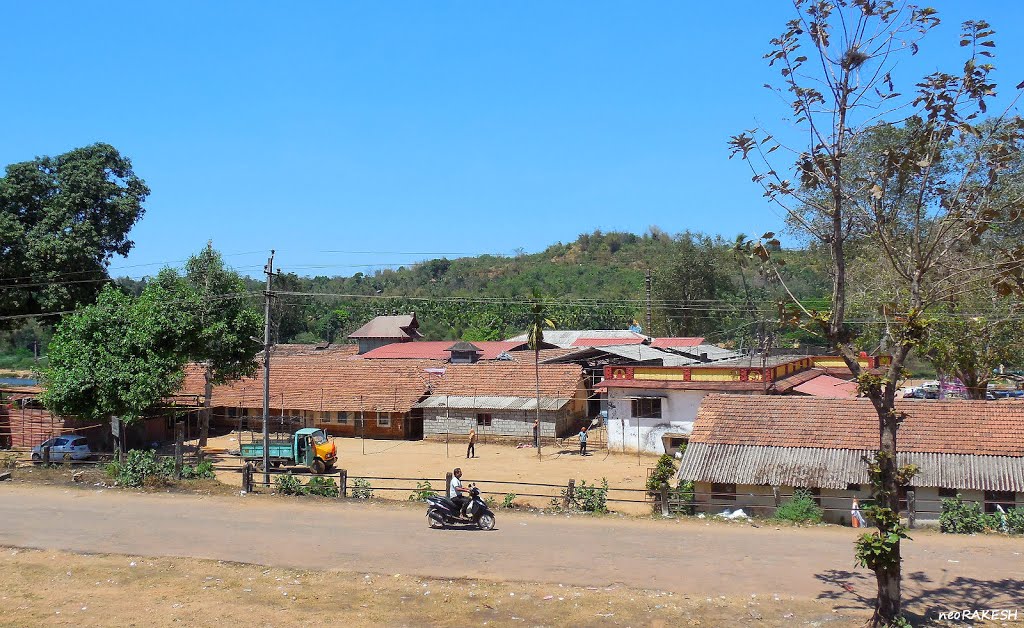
43 587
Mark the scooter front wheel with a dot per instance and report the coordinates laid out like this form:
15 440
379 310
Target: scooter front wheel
486 521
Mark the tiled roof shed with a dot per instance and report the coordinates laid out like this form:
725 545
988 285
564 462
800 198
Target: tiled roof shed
308 383
811 441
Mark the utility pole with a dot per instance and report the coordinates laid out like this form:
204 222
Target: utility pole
647 287
267 296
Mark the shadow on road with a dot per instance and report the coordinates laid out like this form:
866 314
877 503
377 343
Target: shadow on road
924 598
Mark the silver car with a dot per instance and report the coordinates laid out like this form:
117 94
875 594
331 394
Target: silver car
75 447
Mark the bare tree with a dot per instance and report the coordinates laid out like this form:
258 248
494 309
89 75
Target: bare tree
925 191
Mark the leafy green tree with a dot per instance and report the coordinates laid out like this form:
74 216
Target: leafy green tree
535 339
924 201
228 326
972 347
119 356
61 221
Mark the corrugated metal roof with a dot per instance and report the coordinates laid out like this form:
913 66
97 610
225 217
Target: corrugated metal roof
836 468
566 337
550 404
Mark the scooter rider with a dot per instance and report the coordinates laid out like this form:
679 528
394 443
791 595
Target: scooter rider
457 492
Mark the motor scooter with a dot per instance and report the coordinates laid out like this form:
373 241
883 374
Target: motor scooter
442 511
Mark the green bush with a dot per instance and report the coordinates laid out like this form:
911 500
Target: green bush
203 470
1015 520
137 468
662 474
422 492
509 501
684 494
321 486
801 508
361 489
288 484
960 517
591 498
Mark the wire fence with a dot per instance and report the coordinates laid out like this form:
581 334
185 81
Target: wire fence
671 500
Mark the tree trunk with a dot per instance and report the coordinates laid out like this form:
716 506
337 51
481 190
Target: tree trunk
888 578
204 415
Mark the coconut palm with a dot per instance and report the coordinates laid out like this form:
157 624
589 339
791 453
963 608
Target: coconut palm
534 339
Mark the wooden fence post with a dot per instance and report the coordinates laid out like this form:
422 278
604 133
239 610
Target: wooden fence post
911 509
570 491
46 455
200 456
664 499
344 482
246 478
448 484
179 439
775 494
341 483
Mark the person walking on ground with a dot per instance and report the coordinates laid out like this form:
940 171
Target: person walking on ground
583 440
471 450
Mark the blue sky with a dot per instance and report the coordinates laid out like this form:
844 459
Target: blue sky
353 135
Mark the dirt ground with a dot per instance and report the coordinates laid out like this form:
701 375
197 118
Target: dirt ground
493 463
64 588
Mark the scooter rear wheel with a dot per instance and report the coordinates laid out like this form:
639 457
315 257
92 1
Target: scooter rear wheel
433 524
486 521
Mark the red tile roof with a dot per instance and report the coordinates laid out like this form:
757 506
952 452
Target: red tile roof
308 382
662 343
508 379
955 427
437 349
827 386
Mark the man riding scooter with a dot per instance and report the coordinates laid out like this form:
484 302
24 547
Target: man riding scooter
458 493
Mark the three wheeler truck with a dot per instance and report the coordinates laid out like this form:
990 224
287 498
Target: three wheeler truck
309 447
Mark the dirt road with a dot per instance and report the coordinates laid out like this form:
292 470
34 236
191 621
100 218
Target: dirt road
683 556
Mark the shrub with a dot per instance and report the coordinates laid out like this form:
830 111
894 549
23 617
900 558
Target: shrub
509 501
801 508
1015 520
288 484
422 491
591 498
960 517
203 470
683 494
8 461
136 467
361 489
321 486
662 474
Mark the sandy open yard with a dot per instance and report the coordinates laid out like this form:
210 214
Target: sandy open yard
493 463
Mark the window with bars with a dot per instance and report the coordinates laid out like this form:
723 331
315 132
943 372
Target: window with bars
383 419
483 419
647 408
343 417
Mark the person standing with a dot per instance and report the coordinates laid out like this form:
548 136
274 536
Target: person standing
536 432
583 440
471 449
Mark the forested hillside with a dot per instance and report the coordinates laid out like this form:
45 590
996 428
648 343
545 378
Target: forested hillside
701 285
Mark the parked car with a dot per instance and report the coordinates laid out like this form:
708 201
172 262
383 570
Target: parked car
76 447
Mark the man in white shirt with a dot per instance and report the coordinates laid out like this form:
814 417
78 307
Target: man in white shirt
457 492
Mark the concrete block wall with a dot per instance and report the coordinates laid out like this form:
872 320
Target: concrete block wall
503 422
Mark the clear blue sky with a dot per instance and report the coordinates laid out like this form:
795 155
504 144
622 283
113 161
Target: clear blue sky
323 129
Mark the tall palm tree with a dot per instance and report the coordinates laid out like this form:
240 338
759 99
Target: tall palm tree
534 339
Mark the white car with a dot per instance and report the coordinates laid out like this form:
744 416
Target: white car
76 447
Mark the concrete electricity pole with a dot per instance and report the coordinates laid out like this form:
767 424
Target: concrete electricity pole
647 286
268 295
